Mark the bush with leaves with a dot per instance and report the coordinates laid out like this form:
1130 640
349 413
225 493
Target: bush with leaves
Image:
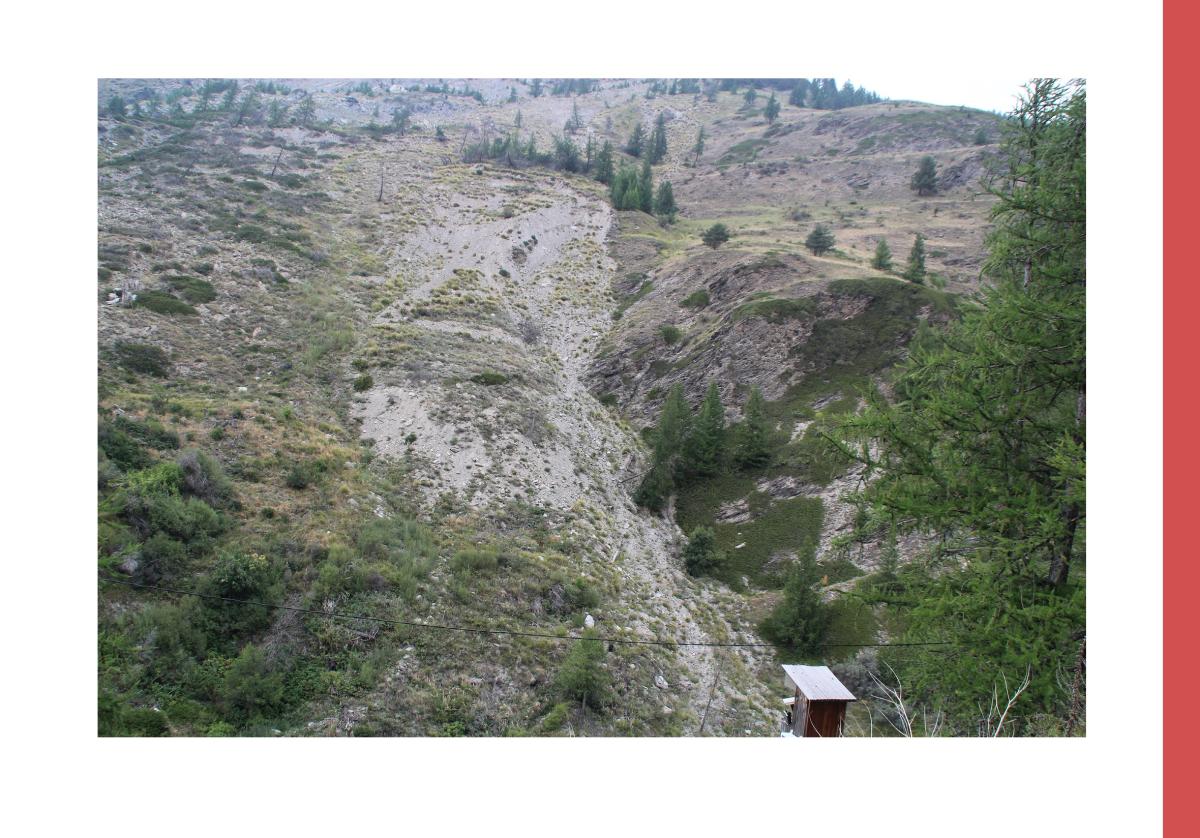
253 688
143 357
239 578
701 555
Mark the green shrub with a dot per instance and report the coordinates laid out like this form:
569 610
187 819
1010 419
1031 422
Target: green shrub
581 595
122 449
608 399
697 299
303 475
715 236
363 382
161 302
701 554
475 560
161 557
203 268
203 477
149 432
143 357
253 688
670 334
193 289
490 379
247 578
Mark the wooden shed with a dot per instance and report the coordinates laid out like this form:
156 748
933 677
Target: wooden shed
818 703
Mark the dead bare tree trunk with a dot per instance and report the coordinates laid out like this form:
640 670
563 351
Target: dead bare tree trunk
276 166
380 198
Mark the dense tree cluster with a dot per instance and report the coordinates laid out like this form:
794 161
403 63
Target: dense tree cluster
687 447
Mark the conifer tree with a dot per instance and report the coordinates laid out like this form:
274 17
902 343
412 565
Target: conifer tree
752 449
657 150
701 555
750 96
985 439
646 188
664 202
882 260
924 180
772 109
820 240
401 117
230 97
637 141
667 440
306 110
535 89
698 148
512 94
914 271
706 443
604 164
800 620
715 236
575 123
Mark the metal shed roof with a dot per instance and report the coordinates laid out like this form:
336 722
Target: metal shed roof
817 683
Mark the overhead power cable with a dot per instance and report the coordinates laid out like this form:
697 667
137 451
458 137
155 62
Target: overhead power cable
494 631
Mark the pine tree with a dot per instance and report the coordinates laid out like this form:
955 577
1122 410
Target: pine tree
401 118
306 110
715 236
924 180
535 89
582 676
820 240
705 445
882 260
750 96
701 555
604 164
698 148
985 439
799 94
230 97
914 271
637 141
117 108
658 140
752 448
512 94
277 114
674 426
772 109
800 621
646 188
575 123
664 202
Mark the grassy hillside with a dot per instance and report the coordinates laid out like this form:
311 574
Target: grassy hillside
362 378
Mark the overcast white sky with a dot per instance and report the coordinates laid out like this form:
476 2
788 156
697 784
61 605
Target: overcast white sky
989 94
